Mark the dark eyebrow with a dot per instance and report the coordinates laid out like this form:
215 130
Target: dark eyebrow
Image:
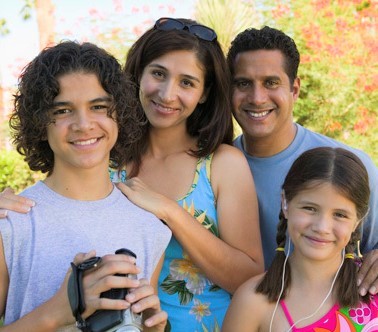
155 65
101 99
93 101
241 78
273 77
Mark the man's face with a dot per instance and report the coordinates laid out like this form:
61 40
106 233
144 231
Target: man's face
263 98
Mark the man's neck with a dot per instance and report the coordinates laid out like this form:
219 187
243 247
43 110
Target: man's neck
83 185
269 146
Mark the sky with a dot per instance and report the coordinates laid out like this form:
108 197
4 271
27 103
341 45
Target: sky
77 20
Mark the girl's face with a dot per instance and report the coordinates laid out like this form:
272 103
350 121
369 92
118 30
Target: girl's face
320 222
171 86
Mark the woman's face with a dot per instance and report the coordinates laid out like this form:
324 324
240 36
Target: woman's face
171 86
320 222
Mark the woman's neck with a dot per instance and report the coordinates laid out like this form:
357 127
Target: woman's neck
163 143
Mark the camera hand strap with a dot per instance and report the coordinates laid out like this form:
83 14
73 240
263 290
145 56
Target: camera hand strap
76 293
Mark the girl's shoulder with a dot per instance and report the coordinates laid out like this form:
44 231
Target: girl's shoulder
247 296
248 307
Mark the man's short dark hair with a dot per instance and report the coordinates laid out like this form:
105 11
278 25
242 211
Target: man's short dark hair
266 39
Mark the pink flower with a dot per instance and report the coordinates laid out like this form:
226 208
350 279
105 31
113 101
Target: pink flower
361 314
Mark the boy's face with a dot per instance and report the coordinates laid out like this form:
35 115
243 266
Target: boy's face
81 135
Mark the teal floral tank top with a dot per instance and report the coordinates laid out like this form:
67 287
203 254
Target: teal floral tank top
193 302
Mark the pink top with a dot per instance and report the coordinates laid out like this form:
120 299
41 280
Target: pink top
363 317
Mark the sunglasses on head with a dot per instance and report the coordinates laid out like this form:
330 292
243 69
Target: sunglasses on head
198 30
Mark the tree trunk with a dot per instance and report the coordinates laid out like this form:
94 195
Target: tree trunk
46 22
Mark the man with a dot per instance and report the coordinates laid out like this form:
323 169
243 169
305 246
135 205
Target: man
69 121
264 66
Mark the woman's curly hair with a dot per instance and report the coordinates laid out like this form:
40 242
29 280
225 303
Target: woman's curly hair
38 87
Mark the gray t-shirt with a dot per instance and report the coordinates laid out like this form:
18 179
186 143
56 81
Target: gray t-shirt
40 245
269 174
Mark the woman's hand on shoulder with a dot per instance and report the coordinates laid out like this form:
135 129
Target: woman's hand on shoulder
146 198
10 201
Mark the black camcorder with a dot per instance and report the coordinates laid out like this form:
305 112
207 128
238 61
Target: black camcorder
102 320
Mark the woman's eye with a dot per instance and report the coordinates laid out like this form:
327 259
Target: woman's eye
158 74
187 83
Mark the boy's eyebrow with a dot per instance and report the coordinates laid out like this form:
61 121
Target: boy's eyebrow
106 99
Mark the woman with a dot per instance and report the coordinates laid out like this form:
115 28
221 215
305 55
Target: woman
185 171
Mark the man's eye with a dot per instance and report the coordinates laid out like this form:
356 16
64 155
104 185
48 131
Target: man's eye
242 84
271 83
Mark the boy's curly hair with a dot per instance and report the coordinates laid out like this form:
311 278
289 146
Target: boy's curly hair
38 86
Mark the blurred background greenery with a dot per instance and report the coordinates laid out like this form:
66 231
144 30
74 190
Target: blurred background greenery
337 40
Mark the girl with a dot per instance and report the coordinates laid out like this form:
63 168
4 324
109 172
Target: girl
313 287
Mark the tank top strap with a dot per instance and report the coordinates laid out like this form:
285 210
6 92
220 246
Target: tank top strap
286 312
203 166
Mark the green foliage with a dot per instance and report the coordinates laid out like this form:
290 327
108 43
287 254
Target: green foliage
227 18
339 59
3 27
15 172
338 71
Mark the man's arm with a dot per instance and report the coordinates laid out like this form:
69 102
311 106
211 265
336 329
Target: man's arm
368 274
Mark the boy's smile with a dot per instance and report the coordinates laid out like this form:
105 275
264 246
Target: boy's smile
82 134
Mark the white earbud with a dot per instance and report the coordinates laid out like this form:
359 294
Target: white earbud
285 205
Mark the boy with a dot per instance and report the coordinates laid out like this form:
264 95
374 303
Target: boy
72 112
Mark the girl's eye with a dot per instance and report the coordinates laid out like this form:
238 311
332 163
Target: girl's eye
309 208
340 215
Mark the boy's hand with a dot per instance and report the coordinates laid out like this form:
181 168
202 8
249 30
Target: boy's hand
143 299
